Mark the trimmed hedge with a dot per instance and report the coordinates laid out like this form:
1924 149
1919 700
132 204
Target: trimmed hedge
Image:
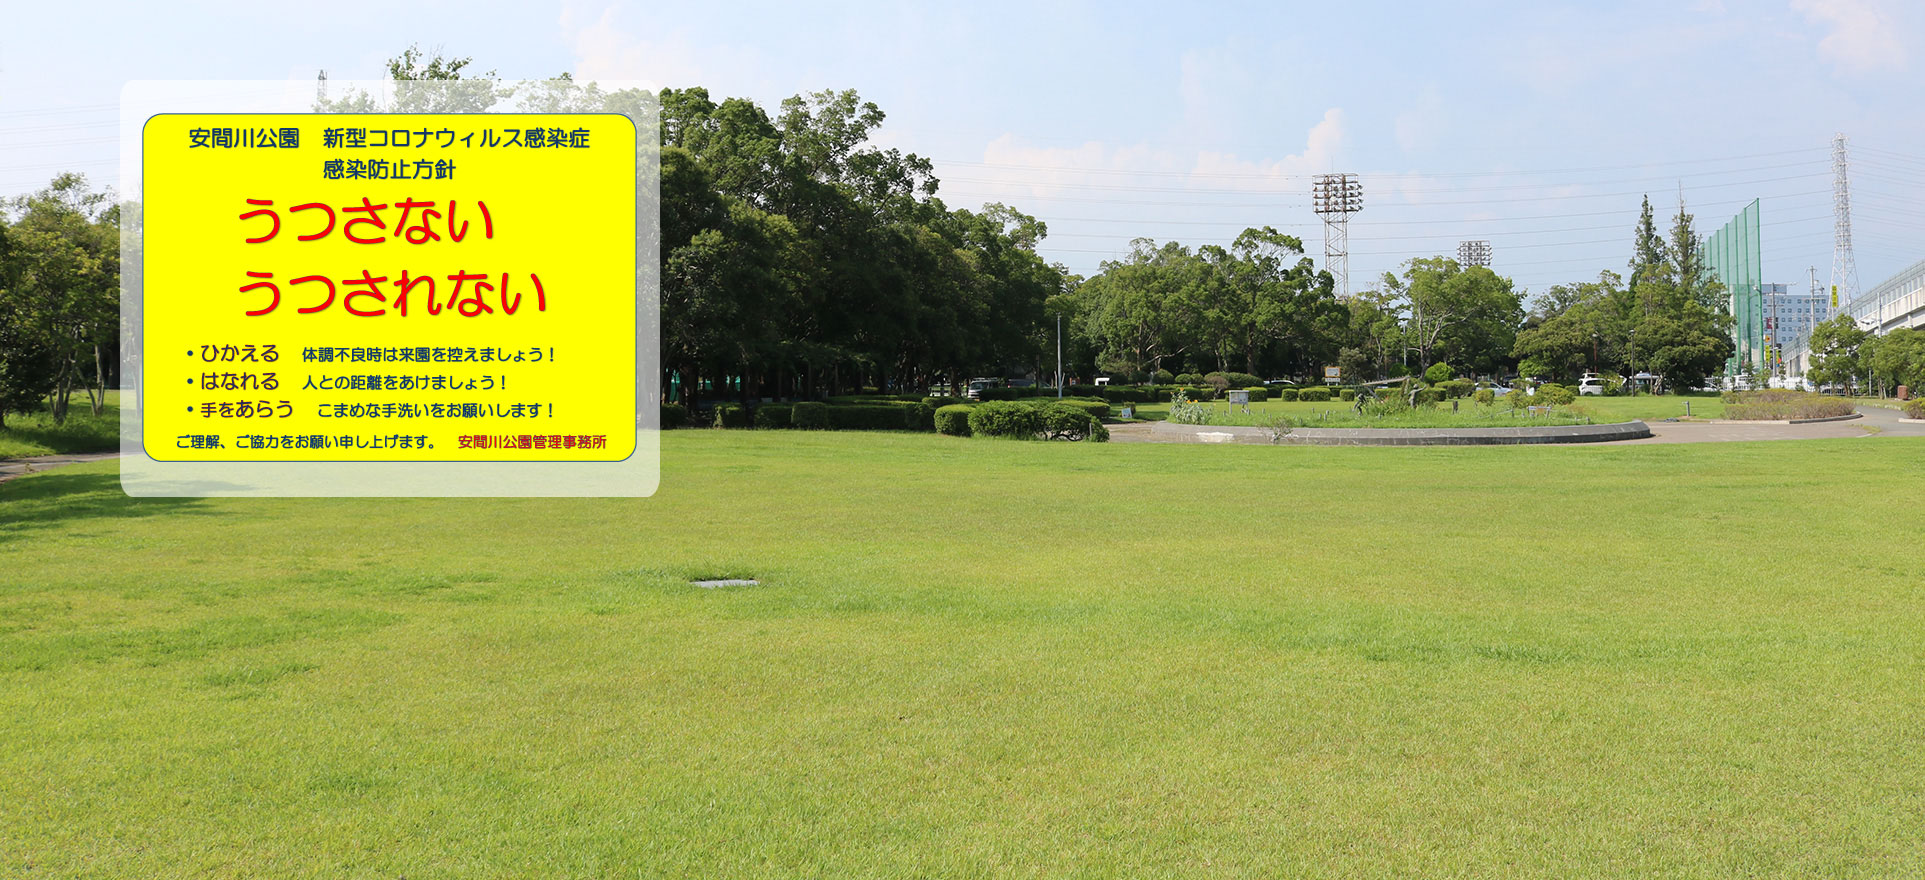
1258 394
674 415
1457 387
1096 408
1186 379
953 420
1555 394
1289 394
731 415
1033 420
809 414
1318 395
770 415
870 417
1484 396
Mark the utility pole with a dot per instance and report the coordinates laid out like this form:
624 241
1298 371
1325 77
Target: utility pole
1335 197
1059 355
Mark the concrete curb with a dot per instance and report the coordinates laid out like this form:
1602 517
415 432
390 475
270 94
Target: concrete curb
1632 430
1785 421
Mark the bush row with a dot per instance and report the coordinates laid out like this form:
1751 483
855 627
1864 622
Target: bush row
1032 420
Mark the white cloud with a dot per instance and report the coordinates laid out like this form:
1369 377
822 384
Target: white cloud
1863 35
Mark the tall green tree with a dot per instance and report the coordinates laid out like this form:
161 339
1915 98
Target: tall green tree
62 297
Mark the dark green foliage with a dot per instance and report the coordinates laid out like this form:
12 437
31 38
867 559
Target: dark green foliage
1290 394
1200 392
674 415
1915 408
1186 379
1097 409
1456 388
1348 394
772 415
870 417
1032 420
809 414
1318 395
1485 396
730 415
1162 377
953 420
996 394
1258 394
1555 394
918 417
1428 396
1439 372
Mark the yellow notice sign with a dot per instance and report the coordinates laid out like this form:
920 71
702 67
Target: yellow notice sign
389 287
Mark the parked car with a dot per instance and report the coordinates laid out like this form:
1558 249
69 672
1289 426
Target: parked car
1592 384
977 385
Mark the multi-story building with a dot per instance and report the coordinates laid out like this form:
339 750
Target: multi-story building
1789 314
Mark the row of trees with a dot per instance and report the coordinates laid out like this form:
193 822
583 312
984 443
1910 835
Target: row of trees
1668 316
1842 353
59 297
800 259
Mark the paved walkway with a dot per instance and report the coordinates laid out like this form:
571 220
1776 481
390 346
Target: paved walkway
14 467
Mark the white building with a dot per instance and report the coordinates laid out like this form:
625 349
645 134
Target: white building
1791 312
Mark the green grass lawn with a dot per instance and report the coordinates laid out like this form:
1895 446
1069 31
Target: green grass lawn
976 658
36 434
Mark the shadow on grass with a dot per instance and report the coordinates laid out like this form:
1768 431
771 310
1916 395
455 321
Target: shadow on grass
58 499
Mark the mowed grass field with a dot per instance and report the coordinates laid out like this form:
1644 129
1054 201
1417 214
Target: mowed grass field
978 658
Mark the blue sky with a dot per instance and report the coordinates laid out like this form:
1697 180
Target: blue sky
1536 126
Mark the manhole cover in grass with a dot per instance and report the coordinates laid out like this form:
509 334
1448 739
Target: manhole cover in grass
725 582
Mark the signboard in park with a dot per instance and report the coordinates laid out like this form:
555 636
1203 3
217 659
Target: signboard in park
1332 374
397 300
389 287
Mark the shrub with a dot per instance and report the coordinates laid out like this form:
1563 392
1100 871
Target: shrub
1216 380
1200 392
730 415
1428 396
1046 419
1784 404
1313 394
868 417
1087 390
918 417
809 414
1517 398
1288 393
1187 379
1242 380
1439 372
1915 409
940 402
1115 394
1347 394
771 415
674 415
1061 422
1555 394
1455 388
996 394
1162 377
953 420
1096 408
1484 397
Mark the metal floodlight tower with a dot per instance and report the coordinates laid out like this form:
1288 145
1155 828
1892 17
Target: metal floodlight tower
1335 197
1473 253
1844 269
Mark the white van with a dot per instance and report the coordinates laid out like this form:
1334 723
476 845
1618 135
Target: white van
1591 384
